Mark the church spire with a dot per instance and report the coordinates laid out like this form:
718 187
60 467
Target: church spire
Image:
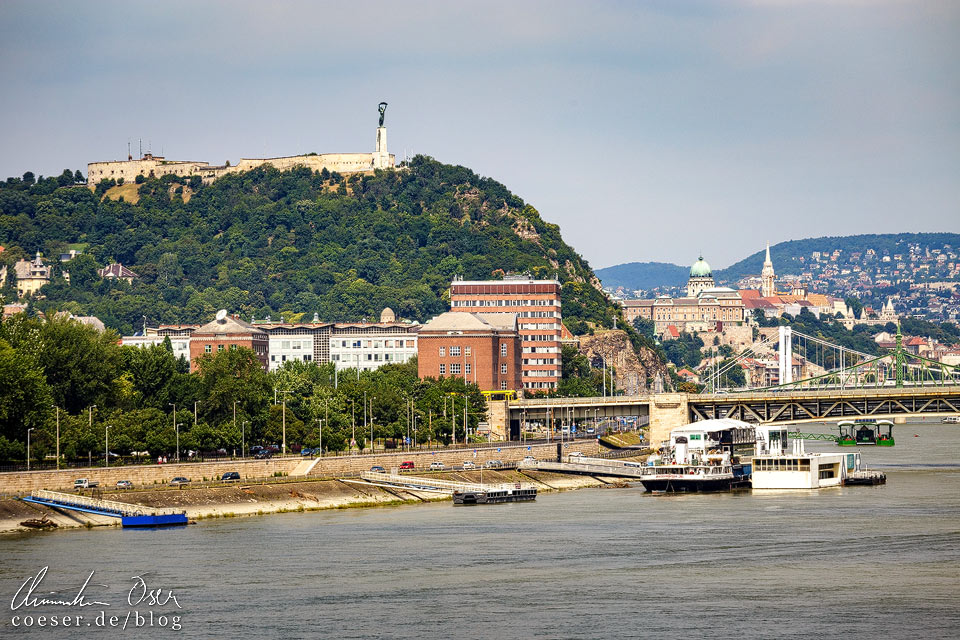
768 277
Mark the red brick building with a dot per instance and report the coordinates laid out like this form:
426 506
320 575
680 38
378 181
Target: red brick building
228 332
482 348
537 306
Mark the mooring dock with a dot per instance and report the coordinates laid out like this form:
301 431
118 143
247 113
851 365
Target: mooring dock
591 467
462 492
131 515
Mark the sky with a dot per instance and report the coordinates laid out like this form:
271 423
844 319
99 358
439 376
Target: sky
649 131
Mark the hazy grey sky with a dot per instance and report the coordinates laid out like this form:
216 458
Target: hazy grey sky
646 130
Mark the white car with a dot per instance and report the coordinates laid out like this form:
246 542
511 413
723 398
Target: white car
576 454
529 460
437 466
468 465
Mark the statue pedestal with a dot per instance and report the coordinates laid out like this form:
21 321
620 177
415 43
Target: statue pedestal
381 158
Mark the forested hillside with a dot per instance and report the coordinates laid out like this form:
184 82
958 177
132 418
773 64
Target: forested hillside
644 275
292 243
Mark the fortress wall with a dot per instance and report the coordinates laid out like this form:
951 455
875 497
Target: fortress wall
130 169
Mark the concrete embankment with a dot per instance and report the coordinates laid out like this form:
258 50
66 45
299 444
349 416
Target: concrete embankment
278 497
151 476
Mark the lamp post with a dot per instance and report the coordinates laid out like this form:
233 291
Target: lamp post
234 419
175 428
179 424
283 417
372 441
58 435
106 444
320 420
28 446
90 426
243 438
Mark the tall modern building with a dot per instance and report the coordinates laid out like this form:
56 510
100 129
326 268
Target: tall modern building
537 305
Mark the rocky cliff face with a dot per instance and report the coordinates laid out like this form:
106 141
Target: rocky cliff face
631 369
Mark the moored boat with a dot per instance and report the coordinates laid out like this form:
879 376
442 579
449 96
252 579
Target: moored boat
783 465
865 431
702 456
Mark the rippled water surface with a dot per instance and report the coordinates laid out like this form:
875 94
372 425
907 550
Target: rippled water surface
856 562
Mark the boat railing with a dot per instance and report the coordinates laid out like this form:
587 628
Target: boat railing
685 470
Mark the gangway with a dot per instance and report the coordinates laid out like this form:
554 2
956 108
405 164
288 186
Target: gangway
812 436
131 515
591 467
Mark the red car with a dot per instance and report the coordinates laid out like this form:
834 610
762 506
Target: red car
406 466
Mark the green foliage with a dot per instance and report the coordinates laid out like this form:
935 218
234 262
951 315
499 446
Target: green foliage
684 351
270 242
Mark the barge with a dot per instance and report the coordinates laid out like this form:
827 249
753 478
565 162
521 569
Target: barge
495 495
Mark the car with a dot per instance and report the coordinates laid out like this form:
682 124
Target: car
576 454
306 452
407 465
437 466
230 476
263 454
493 464
529 460
179 480
124 484
83 483
378 469
591 431
467 465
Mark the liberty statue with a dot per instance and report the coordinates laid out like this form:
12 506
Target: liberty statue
382 108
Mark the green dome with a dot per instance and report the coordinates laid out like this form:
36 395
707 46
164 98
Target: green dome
700 269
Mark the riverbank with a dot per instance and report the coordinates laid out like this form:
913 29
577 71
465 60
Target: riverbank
252 499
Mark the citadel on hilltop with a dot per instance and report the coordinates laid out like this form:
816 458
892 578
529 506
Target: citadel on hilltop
151 166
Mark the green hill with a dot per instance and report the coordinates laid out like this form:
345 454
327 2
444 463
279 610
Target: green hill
290 243
644 275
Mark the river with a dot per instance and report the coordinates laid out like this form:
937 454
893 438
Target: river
854 562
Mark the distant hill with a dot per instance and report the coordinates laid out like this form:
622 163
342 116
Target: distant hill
786 258
786 255
643 275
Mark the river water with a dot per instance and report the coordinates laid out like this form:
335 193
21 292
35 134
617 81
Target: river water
855 562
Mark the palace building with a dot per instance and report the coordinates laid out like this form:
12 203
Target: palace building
705 307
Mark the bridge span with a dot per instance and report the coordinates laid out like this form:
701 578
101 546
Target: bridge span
666 411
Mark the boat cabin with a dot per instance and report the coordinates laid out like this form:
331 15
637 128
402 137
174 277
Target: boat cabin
717 440
865 431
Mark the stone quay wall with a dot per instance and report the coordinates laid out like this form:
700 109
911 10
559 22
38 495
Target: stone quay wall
146 476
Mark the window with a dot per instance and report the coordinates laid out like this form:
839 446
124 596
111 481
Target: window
455 368
207 348
467 370
454 351
503 368
466 351
503 350
233 347
443 351
443 369
503 384
219 347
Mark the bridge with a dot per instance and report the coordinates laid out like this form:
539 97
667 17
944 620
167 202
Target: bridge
841 383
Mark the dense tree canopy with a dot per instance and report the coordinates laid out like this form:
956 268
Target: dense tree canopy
277 243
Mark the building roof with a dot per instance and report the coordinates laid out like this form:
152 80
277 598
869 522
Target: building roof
229 325
116 270
700 269
465 321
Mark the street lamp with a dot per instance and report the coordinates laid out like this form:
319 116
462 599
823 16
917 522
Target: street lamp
106 444
179 424
283 417
58 435
243 439
320 420
175 427
90 453
372 441
28 446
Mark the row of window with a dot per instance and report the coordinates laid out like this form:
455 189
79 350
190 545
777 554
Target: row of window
542 374
539 361
505 303
371 344
283 358
541 350
540 337
541 326
455 351
367 357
